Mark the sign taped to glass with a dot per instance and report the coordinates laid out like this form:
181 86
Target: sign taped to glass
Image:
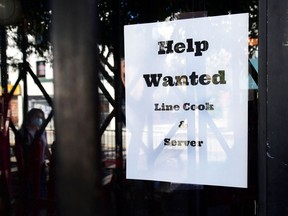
186 100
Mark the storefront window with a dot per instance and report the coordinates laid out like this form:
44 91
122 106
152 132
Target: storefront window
138 193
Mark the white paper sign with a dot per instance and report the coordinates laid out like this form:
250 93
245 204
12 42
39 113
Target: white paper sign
186 100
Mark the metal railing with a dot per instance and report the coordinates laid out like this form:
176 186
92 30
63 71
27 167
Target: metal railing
108 144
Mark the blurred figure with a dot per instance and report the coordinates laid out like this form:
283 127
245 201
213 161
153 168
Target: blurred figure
30 132
35 151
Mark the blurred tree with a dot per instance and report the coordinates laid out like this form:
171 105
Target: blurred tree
35 18
34 23
145 11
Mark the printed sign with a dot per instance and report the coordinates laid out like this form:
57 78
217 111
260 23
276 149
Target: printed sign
186 100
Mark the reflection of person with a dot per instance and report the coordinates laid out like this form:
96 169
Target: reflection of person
35 119
35 150
123 71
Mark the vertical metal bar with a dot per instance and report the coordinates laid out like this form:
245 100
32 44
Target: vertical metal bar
277 113
262 110
118 107
78 146
4 75
23 70
118 90
5 186
273 112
